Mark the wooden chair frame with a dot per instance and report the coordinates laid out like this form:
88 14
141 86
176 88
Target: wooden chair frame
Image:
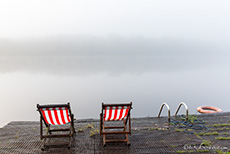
48 134
125 130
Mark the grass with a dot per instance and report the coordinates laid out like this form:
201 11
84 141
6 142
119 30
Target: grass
173 146
192 118
183 151
221 152
197 135
222 138
221 125
209 133
206 143
191 151
179 130
90 126
153 128
225 133
80 130
94 132
219 129
17 135
202 150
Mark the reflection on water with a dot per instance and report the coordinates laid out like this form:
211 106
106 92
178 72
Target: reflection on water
20 92
87 71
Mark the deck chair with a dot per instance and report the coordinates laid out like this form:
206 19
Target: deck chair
115 112
54 115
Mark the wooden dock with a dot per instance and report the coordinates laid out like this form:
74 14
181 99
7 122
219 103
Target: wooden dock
149 135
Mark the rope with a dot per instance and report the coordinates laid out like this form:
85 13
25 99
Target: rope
187 124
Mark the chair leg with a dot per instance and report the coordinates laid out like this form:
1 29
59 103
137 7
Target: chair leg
127 138
70 141
43 145
100 123
104 143
48 130
72 123
126 135
104 140
41 128
71 135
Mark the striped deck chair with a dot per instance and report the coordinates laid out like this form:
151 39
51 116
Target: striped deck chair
53 115
115 112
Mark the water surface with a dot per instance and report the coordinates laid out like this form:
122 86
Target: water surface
147 81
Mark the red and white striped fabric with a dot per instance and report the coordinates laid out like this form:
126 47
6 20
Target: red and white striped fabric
115 113
56 116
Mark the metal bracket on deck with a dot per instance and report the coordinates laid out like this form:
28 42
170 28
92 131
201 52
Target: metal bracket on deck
186 108
165 104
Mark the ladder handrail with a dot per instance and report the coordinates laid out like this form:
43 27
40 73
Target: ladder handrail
186 108
162 105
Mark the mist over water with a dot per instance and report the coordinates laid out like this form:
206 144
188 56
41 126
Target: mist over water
87 51
145 72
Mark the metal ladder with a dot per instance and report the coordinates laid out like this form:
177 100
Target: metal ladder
165 104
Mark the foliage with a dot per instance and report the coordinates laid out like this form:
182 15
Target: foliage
221 125
206 143
222 138
209 133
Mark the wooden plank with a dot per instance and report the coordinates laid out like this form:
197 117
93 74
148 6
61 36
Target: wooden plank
115 132
56 130
116 140
112 127
56 136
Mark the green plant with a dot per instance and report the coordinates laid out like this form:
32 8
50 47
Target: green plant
153 128
173 146
209 133
206 143
80 130
222 138
94 132
223 128
221 125
179 130
90 125
17 134
202 150
221 152
183 151
192 118
198 136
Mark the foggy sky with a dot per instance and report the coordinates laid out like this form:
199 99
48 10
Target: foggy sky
86 36
89 51
113 55
204 20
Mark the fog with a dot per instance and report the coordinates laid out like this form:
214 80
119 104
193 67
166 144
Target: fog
89 70
113 55
86 52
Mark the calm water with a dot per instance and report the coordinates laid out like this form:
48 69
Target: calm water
148 53
192 80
